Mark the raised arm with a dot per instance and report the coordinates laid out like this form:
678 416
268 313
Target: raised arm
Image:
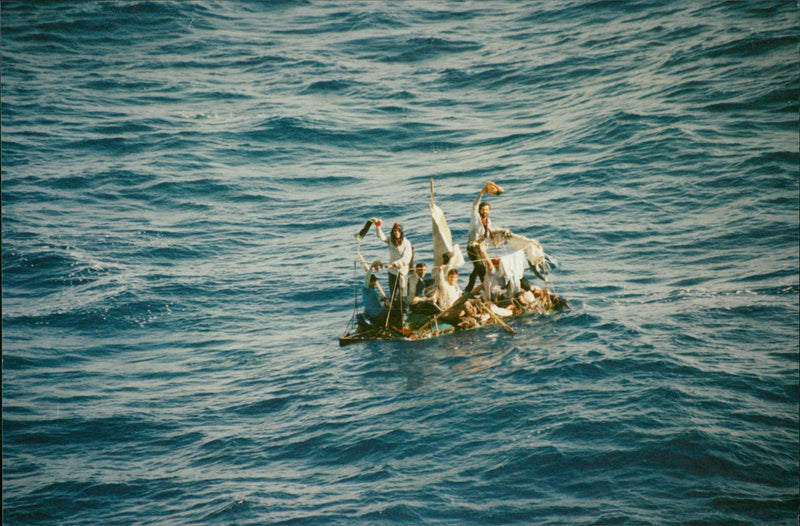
477 201
476 205
380 234
475 218
370 271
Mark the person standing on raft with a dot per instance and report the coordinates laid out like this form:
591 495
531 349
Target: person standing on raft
480 233
401 254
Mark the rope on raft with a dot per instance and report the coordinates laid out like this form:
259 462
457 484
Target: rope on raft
352 323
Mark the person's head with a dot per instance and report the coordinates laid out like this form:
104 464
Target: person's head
452 276
397 234
373 280
484 210
496 262
420 269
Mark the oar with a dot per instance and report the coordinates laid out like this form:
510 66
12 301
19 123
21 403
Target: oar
457 304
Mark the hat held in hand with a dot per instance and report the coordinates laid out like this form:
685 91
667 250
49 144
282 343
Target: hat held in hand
492 189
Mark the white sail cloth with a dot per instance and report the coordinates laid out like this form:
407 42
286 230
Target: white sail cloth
443 241
532 248
512 268
539 262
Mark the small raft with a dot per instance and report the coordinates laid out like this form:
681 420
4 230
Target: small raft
423 327
486 310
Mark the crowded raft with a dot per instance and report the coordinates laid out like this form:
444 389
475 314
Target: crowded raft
418 306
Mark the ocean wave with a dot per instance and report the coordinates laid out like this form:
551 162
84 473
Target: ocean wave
182 183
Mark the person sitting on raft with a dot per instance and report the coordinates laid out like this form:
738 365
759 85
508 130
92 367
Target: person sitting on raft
449 296
416 282
498 284
373 298
420 292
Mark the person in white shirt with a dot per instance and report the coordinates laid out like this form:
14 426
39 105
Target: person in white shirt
480 232
448 293
401 254
416 282
498 284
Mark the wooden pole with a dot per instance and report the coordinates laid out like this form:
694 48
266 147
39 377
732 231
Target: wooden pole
458 303
496 318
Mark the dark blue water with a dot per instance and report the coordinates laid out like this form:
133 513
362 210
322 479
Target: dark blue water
181 183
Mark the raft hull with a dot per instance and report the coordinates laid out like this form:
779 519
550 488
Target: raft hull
413 331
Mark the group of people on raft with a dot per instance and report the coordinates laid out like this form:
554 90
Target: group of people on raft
410 291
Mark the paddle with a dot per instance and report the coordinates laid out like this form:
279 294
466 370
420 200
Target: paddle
456 305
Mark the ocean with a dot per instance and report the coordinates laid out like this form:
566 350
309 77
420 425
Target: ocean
181 187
